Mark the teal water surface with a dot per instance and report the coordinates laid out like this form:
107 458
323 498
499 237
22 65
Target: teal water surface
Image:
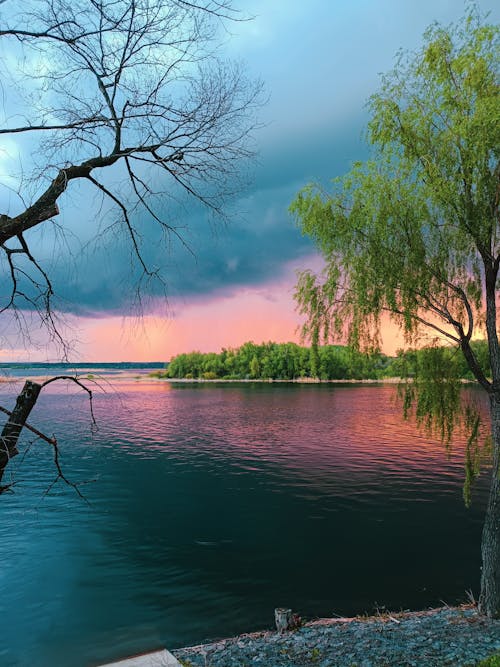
210 505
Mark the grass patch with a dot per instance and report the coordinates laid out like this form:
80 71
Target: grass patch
490 661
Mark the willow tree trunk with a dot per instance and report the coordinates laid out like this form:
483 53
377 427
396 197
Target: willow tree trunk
12 429
489 599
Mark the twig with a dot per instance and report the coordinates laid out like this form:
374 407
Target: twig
72 378
39 434
61 475
52 440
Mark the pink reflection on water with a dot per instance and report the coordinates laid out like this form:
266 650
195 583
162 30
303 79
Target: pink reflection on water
310 430
322 435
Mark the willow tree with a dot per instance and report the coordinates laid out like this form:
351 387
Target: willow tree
414 232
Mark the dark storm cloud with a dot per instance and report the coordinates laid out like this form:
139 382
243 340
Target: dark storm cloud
320 61
252 247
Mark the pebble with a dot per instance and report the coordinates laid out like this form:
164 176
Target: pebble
443 637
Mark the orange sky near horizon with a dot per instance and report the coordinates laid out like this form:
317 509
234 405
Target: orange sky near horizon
259 314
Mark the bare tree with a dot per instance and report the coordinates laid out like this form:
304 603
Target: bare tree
129 96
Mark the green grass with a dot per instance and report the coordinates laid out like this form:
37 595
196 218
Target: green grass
490 661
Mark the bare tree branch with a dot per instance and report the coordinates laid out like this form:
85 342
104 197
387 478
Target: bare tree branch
25 402
113 88
135 83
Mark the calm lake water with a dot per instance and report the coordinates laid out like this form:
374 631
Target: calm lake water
210 505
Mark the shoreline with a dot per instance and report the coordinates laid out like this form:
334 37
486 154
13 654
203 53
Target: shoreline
394 380
455 636
127 376
150 377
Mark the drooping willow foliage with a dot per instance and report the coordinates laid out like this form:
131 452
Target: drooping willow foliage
431 392
413 233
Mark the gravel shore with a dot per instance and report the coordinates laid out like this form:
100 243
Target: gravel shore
434 638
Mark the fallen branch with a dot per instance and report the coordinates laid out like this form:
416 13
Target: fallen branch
17 421
34 430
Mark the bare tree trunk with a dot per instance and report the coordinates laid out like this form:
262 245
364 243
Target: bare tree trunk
489 600
12 429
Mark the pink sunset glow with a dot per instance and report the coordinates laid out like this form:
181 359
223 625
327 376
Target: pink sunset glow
259 314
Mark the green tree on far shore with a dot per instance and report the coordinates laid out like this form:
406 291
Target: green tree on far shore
280 361
288 361
415 232
254 367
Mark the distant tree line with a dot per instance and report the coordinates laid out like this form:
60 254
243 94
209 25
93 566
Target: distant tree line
278 361
289 361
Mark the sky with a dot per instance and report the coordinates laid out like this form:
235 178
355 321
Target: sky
319 62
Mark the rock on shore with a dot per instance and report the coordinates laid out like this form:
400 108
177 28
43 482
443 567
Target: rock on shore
435 638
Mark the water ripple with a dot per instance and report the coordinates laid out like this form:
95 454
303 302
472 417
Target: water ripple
211 505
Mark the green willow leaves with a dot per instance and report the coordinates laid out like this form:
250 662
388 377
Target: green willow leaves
412 234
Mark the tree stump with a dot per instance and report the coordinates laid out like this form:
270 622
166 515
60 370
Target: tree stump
283 618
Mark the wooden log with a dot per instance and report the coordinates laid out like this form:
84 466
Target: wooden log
283 618
12 429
